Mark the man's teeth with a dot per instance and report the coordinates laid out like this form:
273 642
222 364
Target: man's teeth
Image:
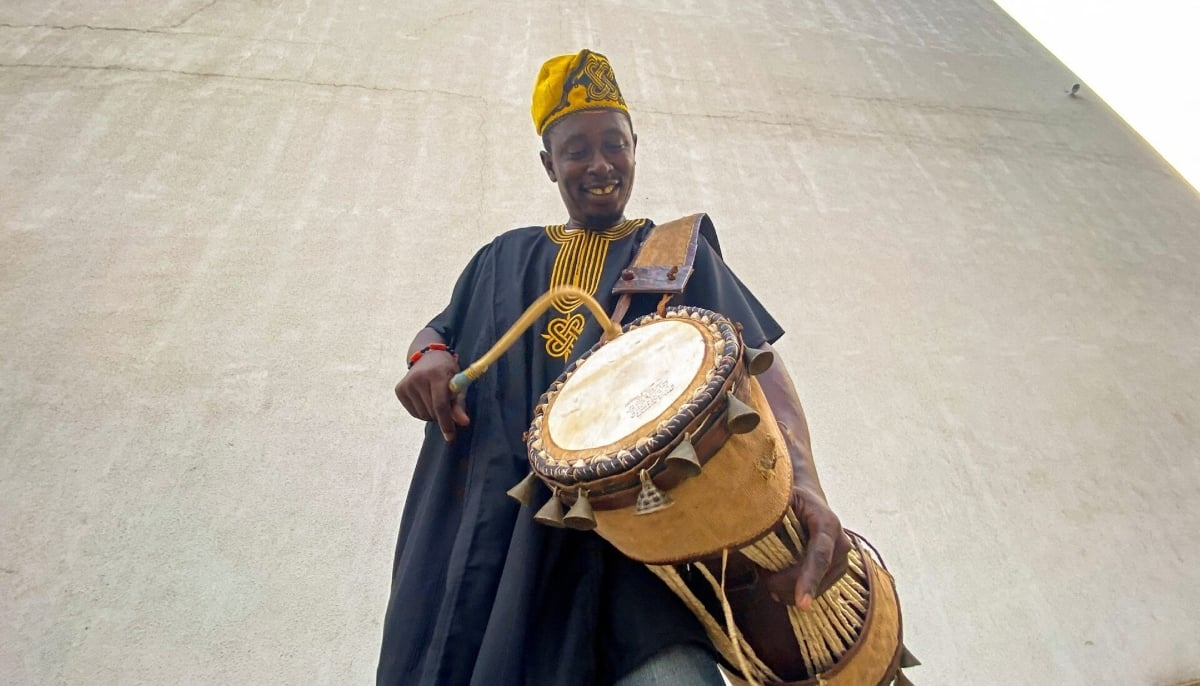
603 190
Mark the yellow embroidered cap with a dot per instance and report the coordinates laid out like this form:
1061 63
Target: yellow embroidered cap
571 83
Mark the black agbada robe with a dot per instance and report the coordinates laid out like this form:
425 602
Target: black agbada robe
481 595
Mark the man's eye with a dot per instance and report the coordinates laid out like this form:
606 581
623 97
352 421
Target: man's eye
576 154
618 145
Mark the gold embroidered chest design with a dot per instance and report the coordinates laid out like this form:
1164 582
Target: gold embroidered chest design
579 263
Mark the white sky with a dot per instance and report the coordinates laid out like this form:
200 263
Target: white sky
1140 56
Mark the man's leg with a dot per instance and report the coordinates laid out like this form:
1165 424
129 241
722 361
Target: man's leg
681 665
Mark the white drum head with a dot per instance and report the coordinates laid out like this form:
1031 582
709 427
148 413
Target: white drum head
628 383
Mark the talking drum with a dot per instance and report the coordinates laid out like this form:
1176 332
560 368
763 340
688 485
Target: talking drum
663 442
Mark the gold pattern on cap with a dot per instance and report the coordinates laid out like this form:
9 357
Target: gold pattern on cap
572 83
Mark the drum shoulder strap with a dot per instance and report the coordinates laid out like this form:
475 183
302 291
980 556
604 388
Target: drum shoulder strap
664 262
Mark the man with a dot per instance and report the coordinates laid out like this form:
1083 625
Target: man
480 593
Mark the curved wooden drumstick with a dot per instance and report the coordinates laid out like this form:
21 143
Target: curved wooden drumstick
471 374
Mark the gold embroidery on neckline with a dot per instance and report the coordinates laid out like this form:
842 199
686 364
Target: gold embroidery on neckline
579 263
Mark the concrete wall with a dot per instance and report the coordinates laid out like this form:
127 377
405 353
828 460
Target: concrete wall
221 222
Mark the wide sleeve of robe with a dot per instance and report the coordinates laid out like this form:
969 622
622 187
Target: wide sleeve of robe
466 296
715 287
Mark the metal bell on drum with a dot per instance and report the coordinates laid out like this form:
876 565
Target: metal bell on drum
580 515
551 513
650 498
683 457
758 361
740 417
523 491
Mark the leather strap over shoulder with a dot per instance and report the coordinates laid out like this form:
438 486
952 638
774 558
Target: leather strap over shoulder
664 262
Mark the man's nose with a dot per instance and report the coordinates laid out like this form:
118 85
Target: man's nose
599 164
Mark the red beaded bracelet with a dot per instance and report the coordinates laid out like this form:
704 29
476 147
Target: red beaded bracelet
440 347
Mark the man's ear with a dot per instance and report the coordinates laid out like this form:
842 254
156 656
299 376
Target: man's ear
548 164
635 142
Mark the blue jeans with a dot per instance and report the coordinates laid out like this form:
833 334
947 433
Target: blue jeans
681 665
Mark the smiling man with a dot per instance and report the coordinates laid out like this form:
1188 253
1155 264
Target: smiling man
588 139
480 593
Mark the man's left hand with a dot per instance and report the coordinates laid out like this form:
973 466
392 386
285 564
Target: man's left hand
825 551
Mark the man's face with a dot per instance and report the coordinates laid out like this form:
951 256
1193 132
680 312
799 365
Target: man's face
591 158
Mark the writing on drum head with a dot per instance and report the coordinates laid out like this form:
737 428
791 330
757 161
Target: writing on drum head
643 401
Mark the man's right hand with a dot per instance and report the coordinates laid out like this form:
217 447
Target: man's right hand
425 393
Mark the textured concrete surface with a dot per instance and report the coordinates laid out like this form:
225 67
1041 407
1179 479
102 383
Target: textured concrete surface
221 222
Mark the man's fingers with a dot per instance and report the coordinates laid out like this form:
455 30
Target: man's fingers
444 417
818 557
460 412
425 393
837 566
442 402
